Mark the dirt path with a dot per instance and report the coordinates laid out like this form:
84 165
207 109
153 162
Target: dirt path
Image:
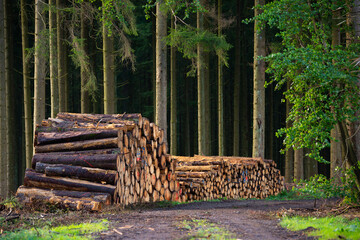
251 219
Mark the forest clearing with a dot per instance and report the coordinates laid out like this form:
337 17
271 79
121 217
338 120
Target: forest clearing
180 119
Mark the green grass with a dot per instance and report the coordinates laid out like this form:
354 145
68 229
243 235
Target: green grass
201 229
73 232
324 228
288 195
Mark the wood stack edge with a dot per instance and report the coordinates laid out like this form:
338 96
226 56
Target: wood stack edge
86 161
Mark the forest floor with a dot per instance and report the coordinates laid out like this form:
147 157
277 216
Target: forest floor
235 219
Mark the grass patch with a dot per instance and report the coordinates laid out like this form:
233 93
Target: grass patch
324 228
201 229
74 231
288 195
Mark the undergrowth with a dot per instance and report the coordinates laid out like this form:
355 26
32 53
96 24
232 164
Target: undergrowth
324 228
74 231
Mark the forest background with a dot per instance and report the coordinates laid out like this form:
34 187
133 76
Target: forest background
193 67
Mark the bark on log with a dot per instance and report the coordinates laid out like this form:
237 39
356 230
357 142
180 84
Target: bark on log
34 179
79 145
70 136
104 118
84 173
104 198
104 161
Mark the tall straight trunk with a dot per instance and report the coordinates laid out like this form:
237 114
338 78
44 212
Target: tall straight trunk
258 148
173 97
153 44
289 154
161 68
54 85
84 74
355 126
39 67
335 147
270 123
109 75
200 89
26 86
298 164
207 116
237 79
220 91
61 55
187 118
3 123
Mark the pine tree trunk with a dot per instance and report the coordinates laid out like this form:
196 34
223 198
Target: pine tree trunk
289 155
258 148
61 55
207 116
200 90
220 91
355 126
53 59
109 75
237 79
12 163
3 134
298 164
161 68
335 147
84 74
26 87
173 98
39 68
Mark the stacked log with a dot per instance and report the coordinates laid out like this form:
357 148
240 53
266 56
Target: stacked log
206 178
145 172
122 155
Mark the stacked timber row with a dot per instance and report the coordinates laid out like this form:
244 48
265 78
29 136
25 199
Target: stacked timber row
145 172
205 178
83 161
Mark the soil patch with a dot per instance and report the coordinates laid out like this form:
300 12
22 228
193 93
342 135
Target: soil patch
245 219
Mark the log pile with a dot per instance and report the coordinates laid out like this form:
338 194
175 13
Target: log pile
119 155
206 178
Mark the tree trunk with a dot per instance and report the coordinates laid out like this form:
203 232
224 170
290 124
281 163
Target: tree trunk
201 90
355 126
84 74
61 55
237 79
299 164
3 123
335 147
220 91
39 70
289 155
161 68
109 75
54 85
26 87
258 148
173 98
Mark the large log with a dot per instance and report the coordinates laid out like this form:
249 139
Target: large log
61 202
79 145
34 179
108 118
86 152
104 161
70 136
104 198
63 126
84 173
